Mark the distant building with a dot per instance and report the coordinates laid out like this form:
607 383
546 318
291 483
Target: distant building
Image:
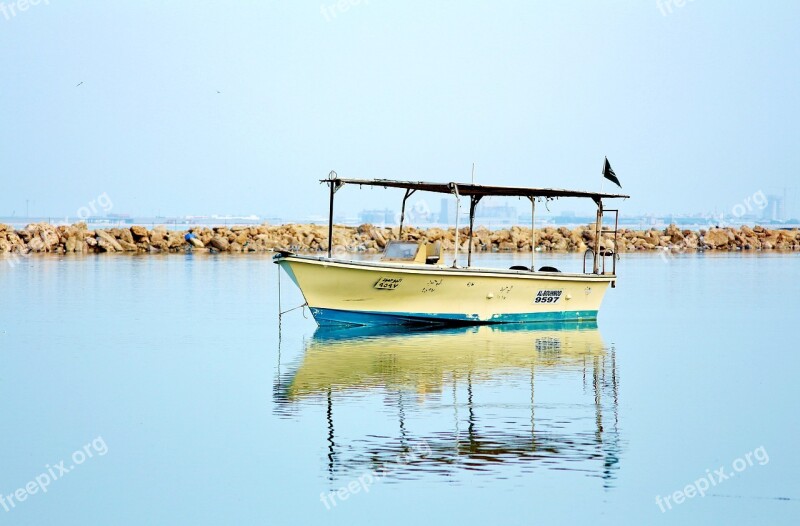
775 209
121 218
447 210
503 215
377 217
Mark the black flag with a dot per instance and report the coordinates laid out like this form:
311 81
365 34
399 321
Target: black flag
609 174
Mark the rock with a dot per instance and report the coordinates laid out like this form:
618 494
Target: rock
653 237
691 241
103 236
71 244
107 246
36 244
220 243
175 239
376 236
507 246
715 238
160 245
578 246
139 233
50 239
128 246
560 244
205 236
675 235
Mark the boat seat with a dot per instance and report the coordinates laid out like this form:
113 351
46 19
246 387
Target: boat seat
433 253
519 267
549 269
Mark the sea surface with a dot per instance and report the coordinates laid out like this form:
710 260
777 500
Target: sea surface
163 390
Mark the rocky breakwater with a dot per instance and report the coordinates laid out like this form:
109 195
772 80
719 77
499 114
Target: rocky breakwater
46 238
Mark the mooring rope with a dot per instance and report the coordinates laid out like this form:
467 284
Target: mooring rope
282 312
295 308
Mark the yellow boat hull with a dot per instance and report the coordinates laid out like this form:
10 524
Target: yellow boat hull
376 293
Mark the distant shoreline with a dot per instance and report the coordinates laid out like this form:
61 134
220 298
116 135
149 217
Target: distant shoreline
369 239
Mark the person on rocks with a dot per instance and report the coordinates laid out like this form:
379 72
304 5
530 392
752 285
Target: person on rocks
192 239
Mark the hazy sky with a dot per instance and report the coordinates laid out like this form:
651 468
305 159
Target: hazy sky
696 106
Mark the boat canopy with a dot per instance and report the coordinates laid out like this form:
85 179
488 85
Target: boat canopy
472 190
476 192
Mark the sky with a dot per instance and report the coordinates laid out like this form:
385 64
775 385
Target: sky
197 108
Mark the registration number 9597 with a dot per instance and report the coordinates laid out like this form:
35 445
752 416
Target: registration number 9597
548 296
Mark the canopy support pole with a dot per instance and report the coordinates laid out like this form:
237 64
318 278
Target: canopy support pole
454 188
330 222
533 233
409 193
597 227
334 183
473 202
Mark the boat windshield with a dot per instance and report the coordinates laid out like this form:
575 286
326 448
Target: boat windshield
401 251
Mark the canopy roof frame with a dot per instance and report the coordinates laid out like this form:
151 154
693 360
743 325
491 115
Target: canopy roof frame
475 192
468 189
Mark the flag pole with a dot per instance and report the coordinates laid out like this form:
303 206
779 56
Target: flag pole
603 172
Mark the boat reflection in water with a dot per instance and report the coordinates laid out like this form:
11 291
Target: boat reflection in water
488 399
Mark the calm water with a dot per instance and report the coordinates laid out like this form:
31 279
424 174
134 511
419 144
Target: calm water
164 385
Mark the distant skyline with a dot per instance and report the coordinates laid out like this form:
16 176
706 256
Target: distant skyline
198 109
773 212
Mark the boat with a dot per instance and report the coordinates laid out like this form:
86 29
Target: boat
412 284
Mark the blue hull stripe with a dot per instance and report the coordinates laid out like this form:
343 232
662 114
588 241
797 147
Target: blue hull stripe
331 317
